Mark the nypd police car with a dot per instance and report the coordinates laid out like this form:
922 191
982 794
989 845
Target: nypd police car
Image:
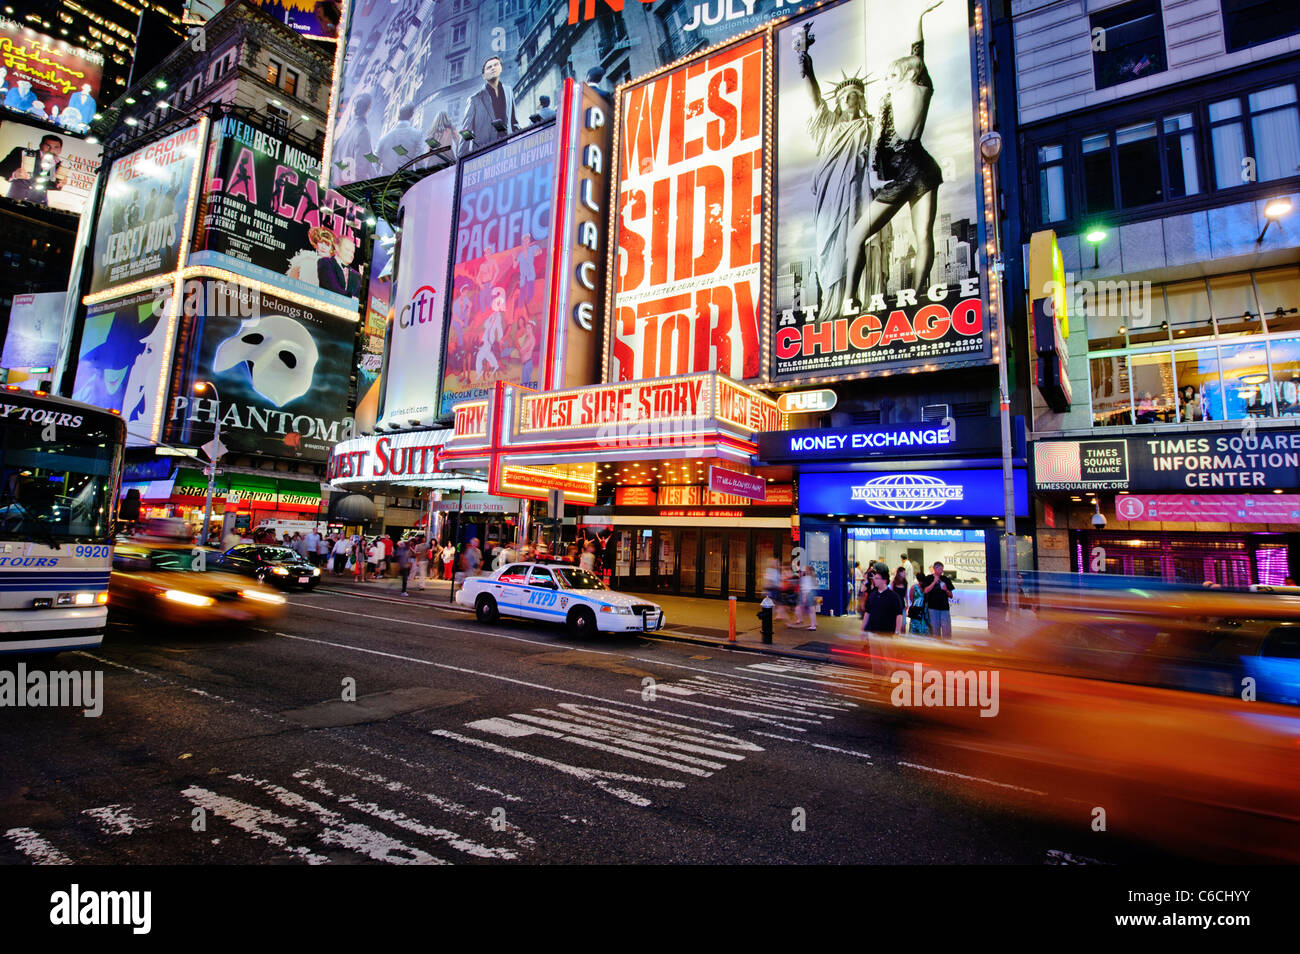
559 593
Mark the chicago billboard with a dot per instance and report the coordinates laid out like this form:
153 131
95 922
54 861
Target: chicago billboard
875 191
47 168
501 275
689 217
264 216
414 74
48 79
413 350
140 227
281 372
379 303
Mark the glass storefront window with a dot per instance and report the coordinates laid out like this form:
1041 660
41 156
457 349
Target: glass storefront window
1246 391
1285 356
1111 392
1103 325
1188 311
1235 308
1153 388
1279 298
1200 395
690 543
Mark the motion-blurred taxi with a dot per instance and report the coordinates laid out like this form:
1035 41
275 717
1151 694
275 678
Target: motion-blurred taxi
1149 703
167 582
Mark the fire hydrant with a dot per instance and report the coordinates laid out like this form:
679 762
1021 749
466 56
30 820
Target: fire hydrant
765 618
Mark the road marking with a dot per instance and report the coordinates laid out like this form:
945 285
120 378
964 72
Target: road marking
502 727
815 745
492 675
1055 857
773 704
352 836
598 777
36 848
670 745
406 822
971 778
451 629
116 819
253 820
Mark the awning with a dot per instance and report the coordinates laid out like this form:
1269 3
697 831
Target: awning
254 490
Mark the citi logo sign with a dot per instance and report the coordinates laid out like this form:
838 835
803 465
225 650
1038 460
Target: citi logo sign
906 493
421 308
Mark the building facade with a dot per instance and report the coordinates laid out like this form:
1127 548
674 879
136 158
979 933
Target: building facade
1160 143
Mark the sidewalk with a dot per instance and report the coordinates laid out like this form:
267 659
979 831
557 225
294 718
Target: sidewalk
688 619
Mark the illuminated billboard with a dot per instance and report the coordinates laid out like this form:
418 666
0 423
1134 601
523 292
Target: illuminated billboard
48 79
412 74
264 216
142 220
379 302
35 326
413 352
501 279
281 371
46 168
687 283
875 192
119 367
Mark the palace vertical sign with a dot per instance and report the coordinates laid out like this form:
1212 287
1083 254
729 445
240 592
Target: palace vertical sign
689 229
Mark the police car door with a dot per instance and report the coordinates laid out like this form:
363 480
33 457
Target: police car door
542 598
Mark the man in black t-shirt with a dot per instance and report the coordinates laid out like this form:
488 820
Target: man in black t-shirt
938 588
884 613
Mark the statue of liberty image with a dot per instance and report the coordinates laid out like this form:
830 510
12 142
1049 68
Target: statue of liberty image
841 131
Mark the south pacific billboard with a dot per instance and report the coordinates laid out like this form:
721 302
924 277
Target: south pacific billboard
501 275
143 214
687 284
413 349
875 191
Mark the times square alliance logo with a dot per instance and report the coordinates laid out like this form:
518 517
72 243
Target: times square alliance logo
906 493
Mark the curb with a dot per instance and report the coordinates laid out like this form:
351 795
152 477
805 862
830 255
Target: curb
712 642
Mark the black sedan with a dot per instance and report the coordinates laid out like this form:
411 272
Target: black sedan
278 566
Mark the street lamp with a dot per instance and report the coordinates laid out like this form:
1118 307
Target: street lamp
1095 237
1274 209
199 388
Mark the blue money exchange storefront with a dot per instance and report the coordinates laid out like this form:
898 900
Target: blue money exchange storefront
910 495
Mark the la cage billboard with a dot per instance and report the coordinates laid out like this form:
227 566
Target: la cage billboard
687 282
263 215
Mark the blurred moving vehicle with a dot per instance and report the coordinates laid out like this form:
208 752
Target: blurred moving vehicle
560 593
158 582
278 566
1173 711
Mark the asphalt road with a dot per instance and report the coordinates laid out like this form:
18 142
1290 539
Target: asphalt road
512 743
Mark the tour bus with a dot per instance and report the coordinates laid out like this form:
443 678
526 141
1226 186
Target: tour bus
60 467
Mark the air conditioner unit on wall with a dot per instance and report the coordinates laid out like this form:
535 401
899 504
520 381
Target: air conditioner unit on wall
935 412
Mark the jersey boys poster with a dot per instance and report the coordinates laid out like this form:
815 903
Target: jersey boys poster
265 216
414 346
501 275
689 229
875 191
143 214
